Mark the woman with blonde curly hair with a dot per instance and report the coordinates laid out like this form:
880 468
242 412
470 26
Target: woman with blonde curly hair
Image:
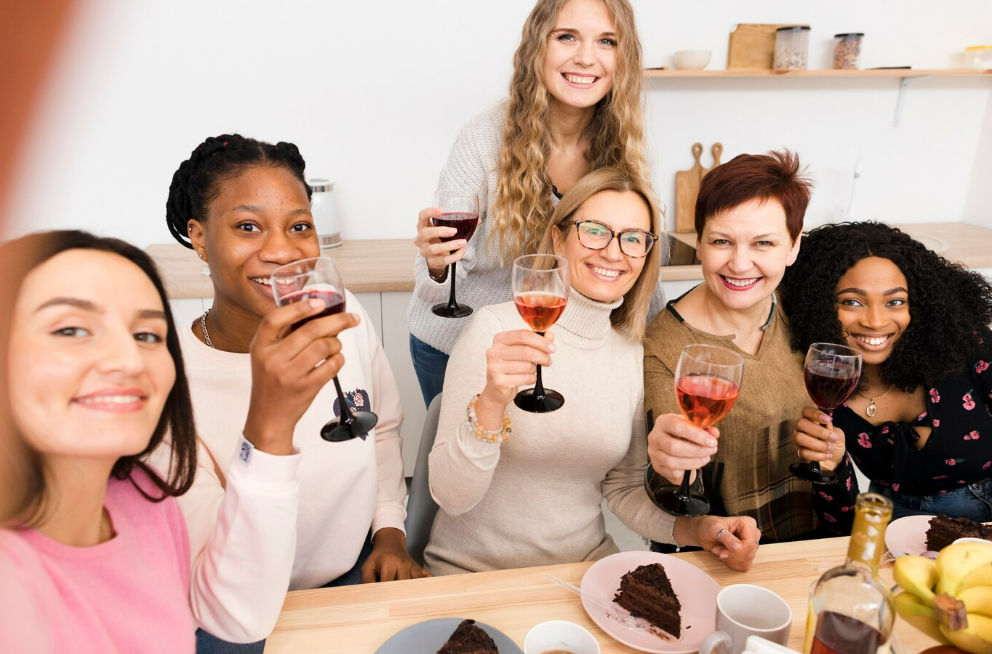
574 107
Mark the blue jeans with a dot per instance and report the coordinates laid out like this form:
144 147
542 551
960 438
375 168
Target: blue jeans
207 644
429 364
972 501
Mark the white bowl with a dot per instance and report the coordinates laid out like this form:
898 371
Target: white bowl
692 59
972 540
560 635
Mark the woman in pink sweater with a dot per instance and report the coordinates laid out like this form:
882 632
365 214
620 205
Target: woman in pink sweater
97 559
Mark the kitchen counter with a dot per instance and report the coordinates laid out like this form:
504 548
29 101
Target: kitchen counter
387 265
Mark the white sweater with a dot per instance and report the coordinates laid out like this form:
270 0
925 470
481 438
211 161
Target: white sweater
481 281
537 498
279 523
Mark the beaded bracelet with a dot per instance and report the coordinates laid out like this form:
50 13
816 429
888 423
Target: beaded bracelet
490 436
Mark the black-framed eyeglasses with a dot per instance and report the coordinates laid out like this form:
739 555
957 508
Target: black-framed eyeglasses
597 236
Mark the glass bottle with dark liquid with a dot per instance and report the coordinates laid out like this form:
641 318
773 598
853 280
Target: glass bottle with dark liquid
851 611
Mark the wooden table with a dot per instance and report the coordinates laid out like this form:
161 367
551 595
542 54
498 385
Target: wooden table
361 618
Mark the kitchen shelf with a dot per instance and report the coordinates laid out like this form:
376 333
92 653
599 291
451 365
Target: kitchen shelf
892 72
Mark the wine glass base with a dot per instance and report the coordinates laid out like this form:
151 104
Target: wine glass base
666 498
528 401
458 311
337 431
804 471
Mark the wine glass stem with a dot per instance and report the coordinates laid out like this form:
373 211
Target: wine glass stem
682 494
451 298
346 417
539 386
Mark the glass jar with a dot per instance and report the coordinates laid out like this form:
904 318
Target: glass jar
791 47
978 57
324 216
847 50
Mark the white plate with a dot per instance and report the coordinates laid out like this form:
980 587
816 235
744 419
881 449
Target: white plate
908 535
695 589
430 635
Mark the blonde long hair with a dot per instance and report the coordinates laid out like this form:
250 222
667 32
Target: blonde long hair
521 207
631 316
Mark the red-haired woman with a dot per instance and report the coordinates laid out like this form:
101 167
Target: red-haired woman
749 216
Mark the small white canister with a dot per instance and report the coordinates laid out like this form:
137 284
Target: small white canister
324 215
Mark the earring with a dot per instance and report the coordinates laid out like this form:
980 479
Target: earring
201 254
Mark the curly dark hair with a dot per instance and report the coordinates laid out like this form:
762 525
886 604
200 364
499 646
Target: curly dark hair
948 304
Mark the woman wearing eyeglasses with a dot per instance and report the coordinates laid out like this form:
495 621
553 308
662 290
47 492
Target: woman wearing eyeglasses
749 216
521 489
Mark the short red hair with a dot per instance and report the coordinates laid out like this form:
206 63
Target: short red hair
756 176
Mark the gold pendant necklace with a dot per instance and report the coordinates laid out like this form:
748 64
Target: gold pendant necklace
870 409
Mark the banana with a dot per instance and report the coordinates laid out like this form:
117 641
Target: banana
976 638
957 560
980 576
977 599
918 575
918 614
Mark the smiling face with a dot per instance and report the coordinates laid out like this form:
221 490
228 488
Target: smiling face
744 253
260 220
581 54
873 307
89 357
605 275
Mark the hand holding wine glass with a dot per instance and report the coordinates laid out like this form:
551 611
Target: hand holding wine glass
540 293
707 380
459 211
831 373
318 279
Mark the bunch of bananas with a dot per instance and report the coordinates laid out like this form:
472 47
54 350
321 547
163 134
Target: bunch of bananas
949 599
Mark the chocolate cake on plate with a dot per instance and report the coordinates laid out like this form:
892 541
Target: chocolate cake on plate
469 639
647 593
944 530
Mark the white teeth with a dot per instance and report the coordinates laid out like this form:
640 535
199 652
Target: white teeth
741 282
868 340
575 79
110 399
264 281
604 272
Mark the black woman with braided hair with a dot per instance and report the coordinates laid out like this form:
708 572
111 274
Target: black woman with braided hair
273 506
920 424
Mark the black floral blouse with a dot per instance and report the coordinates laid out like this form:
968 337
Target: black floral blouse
958 452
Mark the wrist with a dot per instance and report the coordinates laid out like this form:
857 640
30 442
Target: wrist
489 411
684 532
439 275
271 439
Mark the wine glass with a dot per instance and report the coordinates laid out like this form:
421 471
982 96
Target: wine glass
459 209
831 373
318 279
540 291
707 380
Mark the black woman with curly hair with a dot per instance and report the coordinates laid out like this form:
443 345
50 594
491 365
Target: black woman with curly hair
919 425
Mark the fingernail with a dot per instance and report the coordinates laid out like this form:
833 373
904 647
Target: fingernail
834 438
824 418
724 555
735 546
551 347
830 448
712 443
317 304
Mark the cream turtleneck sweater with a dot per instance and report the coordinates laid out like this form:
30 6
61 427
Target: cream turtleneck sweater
536 499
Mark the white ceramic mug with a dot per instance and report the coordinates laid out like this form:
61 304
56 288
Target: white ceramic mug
744 610
561 636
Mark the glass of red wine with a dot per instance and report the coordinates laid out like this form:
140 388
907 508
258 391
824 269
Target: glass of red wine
707 380
459 209
831 373
540 291
318 279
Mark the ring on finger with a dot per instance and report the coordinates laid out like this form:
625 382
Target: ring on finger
720 533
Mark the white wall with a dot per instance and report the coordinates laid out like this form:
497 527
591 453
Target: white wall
374 92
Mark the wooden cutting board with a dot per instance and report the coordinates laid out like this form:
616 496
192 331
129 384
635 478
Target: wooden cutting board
687 188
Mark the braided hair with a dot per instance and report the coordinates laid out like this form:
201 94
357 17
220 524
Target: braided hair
197 181
948 304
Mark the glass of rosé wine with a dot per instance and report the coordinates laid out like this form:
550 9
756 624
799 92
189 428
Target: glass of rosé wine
318 279
707 380
459 209
831 373
540 291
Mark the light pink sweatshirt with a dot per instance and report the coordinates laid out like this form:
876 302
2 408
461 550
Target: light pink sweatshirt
129 594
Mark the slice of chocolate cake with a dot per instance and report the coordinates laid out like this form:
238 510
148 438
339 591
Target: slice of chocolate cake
945 530
647 593
469 639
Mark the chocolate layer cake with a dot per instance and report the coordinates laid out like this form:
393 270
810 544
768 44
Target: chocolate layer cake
469 639
647 593
944 530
